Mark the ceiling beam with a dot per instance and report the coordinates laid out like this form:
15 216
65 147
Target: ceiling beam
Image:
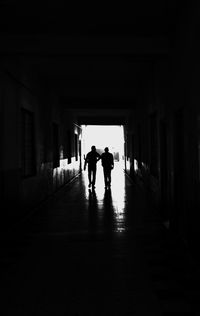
82 46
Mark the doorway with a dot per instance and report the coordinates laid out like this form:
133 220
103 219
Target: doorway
101 136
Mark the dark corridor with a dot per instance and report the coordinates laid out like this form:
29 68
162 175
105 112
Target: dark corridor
133 250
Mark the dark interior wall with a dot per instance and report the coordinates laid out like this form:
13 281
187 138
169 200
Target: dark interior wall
192 99
172 131
33 138
166 131
184 110
10 172
1 132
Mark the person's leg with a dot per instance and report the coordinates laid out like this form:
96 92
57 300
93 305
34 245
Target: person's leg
89 175
104 175
94 170
109 177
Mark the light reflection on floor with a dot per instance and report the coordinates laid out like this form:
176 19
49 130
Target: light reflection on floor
108 203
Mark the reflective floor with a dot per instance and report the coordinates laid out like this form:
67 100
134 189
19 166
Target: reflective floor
97 252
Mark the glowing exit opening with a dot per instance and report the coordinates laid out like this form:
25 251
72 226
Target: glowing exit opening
101 136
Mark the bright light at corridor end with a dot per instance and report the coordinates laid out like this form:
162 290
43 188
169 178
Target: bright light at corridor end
101 136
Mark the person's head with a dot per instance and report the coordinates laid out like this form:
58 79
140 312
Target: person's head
106 149
93 148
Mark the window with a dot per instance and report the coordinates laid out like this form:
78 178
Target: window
133 148
76 146
28 163
69 146
128 146
56 155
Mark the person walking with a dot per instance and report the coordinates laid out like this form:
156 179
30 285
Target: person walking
107 161
91 160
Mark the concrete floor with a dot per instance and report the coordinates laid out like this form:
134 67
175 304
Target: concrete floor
96 253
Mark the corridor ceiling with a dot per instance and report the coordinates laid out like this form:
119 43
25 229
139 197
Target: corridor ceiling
91 56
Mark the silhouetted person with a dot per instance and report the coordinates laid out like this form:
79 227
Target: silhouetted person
91 160
108 164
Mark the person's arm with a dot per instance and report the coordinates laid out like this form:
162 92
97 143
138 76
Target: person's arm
98 157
